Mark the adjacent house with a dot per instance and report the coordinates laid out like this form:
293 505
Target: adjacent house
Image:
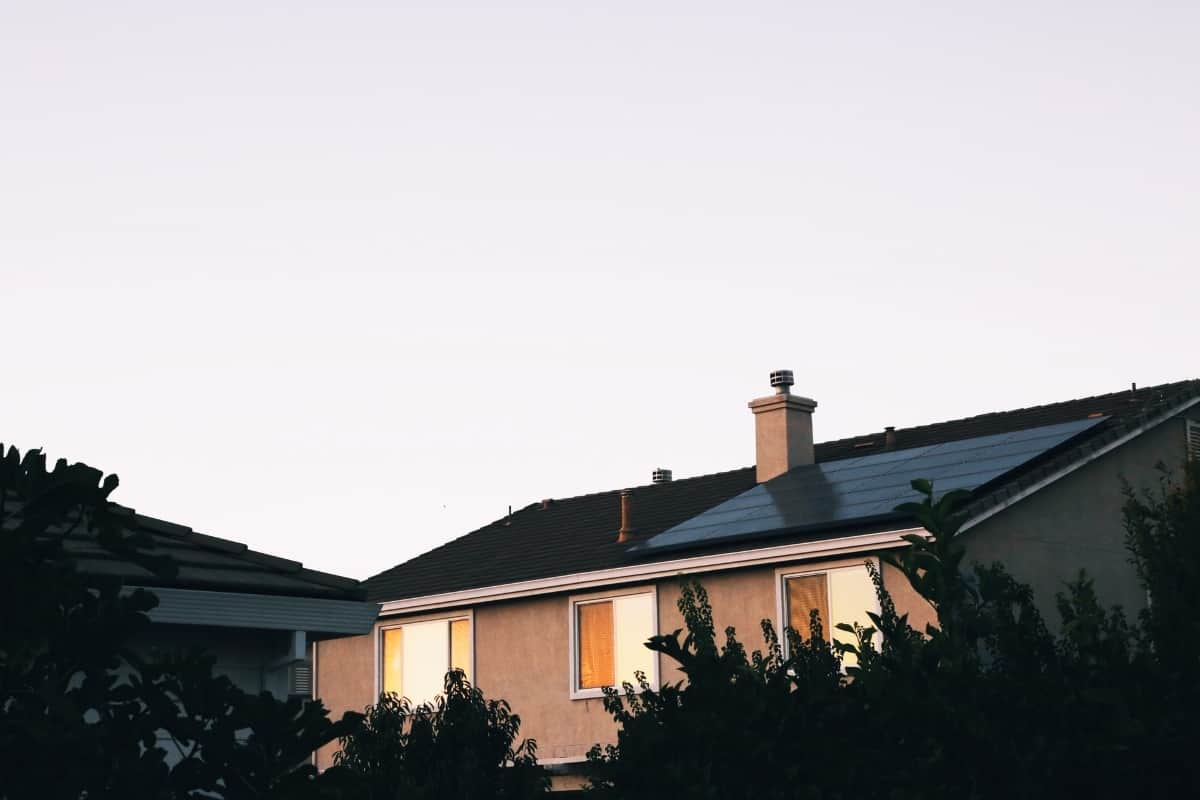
550 604
258 614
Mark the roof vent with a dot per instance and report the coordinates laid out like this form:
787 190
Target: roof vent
626 531
1193 440
660 475
889 437
782 381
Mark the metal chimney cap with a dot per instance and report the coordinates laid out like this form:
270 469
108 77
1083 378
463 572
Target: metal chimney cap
782 380
661 475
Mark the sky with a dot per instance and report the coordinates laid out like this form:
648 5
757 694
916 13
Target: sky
345 281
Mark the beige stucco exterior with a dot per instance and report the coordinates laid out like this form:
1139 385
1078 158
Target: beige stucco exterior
522 653
522 646
1048 537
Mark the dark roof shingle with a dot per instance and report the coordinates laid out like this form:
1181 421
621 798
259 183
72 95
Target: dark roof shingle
206 562
579 534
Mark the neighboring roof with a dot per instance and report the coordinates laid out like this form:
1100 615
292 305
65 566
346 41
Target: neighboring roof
579 534
207 562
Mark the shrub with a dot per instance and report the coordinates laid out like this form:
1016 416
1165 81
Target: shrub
986 703
458 747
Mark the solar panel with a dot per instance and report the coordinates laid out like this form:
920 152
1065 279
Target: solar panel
862 488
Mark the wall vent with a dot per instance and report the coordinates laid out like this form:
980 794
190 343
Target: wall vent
1193 440
300 679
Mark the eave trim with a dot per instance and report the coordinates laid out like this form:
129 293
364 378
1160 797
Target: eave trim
580 581
259 611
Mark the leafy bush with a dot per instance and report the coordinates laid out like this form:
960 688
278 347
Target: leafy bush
459 747
986 703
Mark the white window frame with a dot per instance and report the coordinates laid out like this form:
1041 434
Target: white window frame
804 571
399 622
573 602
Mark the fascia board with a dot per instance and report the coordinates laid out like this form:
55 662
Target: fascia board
634 573
261 612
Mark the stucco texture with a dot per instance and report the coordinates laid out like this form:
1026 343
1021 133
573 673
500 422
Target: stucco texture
344 681
1075 523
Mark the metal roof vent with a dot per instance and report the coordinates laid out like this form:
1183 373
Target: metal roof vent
1193 440
660 475
782 381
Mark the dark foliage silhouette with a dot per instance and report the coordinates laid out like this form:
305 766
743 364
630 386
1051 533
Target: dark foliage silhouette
82 714
458 747
987 703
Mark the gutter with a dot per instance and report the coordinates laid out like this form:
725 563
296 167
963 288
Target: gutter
636 573
260 612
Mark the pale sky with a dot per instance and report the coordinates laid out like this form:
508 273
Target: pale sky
344 282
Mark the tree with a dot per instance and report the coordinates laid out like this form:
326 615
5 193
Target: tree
81 714
458 747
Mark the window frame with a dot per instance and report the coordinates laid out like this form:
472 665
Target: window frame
576 600
397 622
804 571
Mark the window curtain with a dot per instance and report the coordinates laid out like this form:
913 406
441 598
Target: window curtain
460 645
393 660
596 657
803 595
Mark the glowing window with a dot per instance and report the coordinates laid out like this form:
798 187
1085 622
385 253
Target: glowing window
838 595
609 642
416 656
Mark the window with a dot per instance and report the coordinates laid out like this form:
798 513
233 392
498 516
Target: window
844 594
415 656
608 641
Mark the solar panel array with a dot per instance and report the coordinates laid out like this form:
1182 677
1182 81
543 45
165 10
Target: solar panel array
863 488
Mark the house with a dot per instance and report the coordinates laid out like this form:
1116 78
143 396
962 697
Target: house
553 602
258 615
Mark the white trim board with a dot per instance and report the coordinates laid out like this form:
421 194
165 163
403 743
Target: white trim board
636 573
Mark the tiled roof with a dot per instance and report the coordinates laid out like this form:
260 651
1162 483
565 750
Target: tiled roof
207 562
579 534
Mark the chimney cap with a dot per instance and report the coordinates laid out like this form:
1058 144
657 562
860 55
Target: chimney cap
661 475
782 380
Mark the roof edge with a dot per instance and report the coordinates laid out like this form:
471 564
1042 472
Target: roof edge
651 570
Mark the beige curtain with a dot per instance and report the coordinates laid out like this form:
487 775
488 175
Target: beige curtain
460 645
596 658
803 595
393 660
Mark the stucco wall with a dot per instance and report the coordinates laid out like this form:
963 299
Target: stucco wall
1075 523
522 654
344 679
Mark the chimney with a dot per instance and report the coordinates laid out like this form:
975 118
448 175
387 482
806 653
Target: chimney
626 532
889 437
783 436
660 475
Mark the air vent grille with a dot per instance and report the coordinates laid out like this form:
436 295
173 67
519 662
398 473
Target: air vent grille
1193 440
300 679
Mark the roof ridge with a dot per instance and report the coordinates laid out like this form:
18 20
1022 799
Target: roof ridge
1022 410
